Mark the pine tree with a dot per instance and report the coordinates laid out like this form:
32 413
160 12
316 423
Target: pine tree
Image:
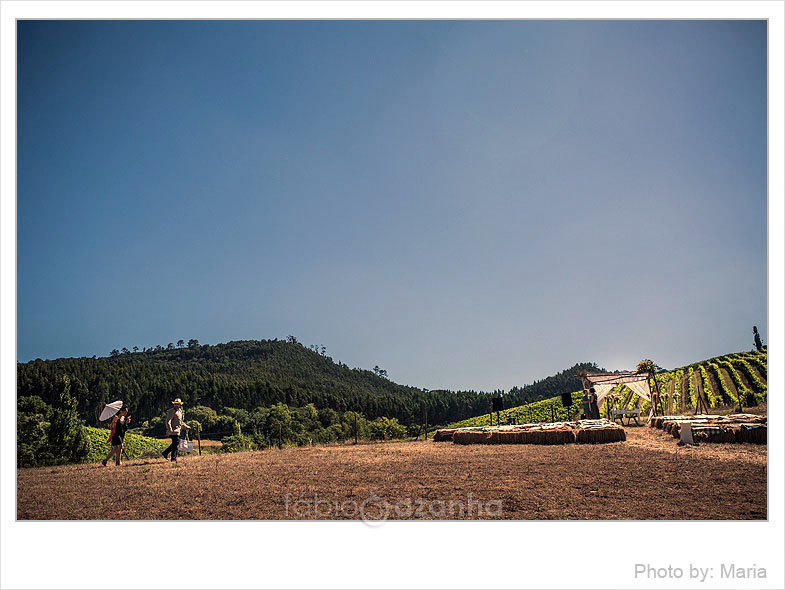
67 440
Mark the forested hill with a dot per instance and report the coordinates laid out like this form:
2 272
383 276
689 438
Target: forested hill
253 373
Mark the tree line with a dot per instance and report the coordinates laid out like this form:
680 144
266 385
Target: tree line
251 374
53 435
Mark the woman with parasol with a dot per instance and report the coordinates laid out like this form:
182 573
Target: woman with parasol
119 425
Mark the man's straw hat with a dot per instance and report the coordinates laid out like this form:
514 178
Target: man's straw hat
178 401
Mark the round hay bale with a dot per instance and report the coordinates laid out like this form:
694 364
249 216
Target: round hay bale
756 436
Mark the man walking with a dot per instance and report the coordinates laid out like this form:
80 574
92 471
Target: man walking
174 424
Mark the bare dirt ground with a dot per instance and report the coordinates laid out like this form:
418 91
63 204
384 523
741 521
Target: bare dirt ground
646 477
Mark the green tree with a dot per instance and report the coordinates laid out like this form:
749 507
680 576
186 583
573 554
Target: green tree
307 416
33 404
227 424
156 427
242 417
237 443
206 416
67 440
257 421
31 436
279 424
393 429
355 423
328 417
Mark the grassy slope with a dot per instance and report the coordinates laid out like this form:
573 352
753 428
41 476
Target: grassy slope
541 411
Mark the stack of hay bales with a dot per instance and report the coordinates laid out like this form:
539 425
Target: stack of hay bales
657 421
554 433
445 434
535 434
549 434
715 428
713 433
747 418
598 431
673 427
471 436
667 423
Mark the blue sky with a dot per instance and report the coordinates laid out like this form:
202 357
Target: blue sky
466 204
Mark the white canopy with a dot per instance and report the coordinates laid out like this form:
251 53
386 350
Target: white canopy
604 382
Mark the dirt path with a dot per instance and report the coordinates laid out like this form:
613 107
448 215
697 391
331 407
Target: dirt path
699 386
685 390
715 387
729 382
757 373
646 477
744 380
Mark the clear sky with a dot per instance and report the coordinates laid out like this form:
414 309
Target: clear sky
465 204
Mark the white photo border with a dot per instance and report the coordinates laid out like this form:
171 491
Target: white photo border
395 555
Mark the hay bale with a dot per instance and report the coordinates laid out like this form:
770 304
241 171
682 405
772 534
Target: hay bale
600 435
471 437
536 434
752 433
502 437
673 426
550 436
669 425
747 418
659 421
713 434
445 434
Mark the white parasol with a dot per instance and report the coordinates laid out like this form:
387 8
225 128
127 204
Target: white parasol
110 410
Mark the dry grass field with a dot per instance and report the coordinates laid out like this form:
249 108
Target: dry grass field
646 477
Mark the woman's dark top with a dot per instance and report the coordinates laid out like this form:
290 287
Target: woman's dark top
595 410
119 432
